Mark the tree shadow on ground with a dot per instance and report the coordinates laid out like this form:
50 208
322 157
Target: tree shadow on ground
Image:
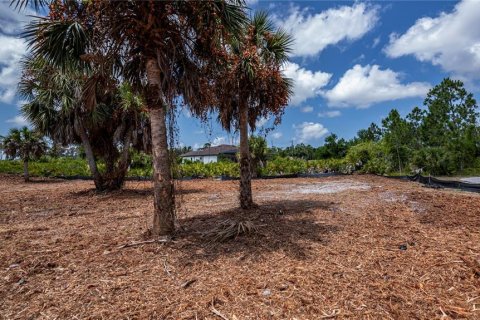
290 227
126 193
42 180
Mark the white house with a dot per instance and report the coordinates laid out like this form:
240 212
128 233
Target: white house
211 154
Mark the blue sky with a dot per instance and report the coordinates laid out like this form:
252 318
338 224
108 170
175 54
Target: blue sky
352 63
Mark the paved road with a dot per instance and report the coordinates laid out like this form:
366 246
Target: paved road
471 179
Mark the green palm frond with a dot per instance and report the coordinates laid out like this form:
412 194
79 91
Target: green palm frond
128 99
261 25
232 15
22 4
279 44
60 42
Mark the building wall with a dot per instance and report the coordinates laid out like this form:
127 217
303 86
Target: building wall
204 159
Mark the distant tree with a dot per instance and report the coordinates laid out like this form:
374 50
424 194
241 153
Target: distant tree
451 120
334 147
372 133
24 144
415 118
301 150
398 137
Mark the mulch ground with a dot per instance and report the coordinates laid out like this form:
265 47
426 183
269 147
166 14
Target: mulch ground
356 247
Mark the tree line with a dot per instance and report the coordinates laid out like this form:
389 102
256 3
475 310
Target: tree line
397 145
441 138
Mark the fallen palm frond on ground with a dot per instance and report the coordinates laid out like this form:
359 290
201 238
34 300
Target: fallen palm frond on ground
229 229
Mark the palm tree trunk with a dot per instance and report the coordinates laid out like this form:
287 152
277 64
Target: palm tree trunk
26 175
246 200
97 178
114 176
164 201
125 155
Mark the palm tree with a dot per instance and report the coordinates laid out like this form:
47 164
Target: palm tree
167 49
174 45
107 132
253 86
24 144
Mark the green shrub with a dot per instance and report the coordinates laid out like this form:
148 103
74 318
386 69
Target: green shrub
214 169
369 157
434 161
52 167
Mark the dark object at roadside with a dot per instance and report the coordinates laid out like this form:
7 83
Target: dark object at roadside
438 184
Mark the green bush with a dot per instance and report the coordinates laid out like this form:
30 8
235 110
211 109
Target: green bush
287 165
214 169
48 167
369 157
280 166
435 161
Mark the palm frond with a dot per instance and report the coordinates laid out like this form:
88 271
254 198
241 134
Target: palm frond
230 229
60 42
22 4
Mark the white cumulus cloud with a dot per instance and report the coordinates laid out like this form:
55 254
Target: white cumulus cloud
18 121
308 131
11 51
450 40
307 109
307 83
314 32
363 86
12 48
261 122
277 135
330 114
13 20
219 140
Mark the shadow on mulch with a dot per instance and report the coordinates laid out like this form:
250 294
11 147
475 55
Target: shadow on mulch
44 181
287 226
126 193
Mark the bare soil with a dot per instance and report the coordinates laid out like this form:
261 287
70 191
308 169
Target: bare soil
353 247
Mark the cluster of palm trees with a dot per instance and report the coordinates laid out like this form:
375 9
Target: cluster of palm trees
108 75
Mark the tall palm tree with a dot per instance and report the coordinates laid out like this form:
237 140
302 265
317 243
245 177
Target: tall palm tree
174 45
253 86
24 144
168 49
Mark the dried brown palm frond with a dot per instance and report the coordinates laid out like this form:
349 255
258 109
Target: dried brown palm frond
229 229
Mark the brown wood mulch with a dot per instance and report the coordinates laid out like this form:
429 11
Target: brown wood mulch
350 247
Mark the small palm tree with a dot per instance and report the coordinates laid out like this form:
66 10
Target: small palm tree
24 144
253 86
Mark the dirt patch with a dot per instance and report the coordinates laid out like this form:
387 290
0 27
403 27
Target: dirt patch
355 247
327 188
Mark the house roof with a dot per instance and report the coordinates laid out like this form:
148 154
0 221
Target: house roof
212 151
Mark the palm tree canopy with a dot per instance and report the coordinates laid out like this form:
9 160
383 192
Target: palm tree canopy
252 73
114 38
24 144
55 104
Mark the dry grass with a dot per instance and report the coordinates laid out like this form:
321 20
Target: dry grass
341 247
